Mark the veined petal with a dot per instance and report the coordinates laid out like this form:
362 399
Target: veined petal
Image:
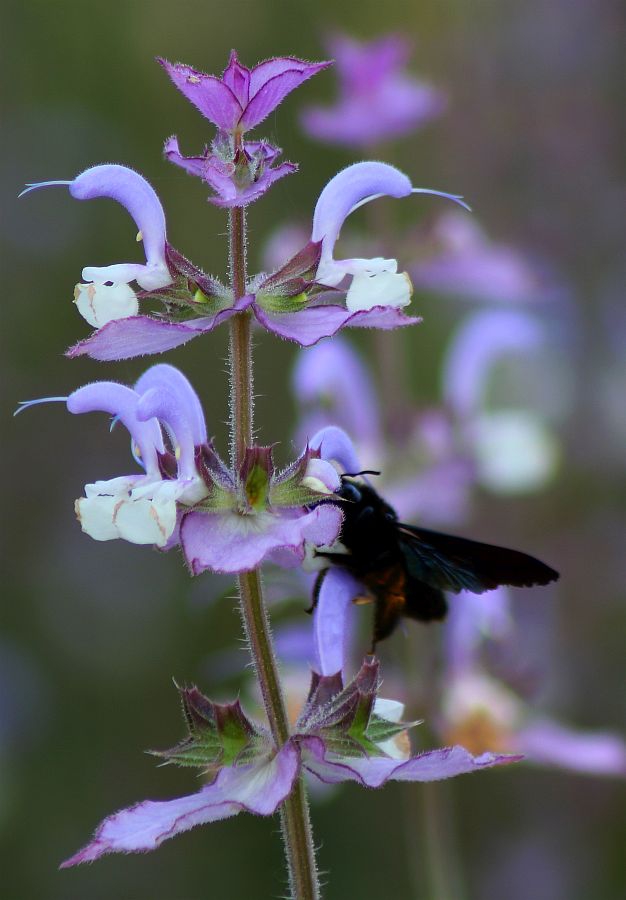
144 335
258 788
309 325
270 82
370 771
211 95
229 542
140 199
149 517
100 303
141 512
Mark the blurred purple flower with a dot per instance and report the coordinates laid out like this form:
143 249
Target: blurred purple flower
333 386
377 100
513 448
342 734
242 97
465 263
481 712
423 475
238 175
227 522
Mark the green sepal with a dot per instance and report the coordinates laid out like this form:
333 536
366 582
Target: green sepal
343 717
297 494
219 735
289 487
281 303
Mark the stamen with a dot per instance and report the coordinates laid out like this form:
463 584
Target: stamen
456 198
33 185
26 404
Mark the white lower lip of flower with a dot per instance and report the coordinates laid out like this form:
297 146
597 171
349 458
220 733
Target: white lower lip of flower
101 303
398 746
514 450
154 278
141 513
379 289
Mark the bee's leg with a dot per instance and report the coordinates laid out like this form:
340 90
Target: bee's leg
317 587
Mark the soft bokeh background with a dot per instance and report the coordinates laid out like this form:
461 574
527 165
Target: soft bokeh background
91 634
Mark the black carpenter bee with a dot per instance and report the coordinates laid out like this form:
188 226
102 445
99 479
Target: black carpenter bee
406 569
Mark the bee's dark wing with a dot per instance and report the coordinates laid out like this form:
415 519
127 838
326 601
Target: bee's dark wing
450 563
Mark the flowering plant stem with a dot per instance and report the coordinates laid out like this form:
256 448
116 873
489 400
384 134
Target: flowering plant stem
295 821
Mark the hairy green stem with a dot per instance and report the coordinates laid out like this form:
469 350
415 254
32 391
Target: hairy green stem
295 821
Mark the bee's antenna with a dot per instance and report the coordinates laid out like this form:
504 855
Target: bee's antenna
356 474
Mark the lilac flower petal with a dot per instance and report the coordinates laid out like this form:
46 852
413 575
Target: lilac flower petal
370 771
483 338
258 788
140 199
194 165
331 620
121 401
229 542
143 335
467 264
308 326
165 394
335 445
237 77
209 94
332 383
592 753
471 620
349 187
270 83
255 189
377 102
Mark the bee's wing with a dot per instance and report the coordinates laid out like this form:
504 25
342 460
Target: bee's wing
455 564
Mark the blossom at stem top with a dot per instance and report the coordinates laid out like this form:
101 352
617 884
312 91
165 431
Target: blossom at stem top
311 297
224 521
377 100
342 734
242 97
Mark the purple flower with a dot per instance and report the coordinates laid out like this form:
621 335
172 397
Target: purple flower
423 473
482 712
342 734
465 263
108 294
238 175
225 521
242 97
297 302
377 100
513 448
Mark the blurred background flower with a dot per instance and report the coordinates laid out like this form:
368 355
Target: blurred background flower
91 634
